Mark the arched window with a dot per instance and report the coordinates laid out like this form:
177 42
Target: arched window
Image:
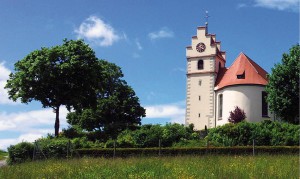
264 106
220 106
200 64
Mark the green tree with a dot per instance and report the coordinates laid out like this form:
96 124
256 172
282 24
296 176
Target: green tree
118 107
283 87
66 74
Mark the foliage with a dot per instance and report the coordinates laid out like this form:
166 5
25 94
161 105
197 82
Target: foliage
265 133
72 132
238 150
149 135
58 147
283 87
20 152
190 143
54 76
236 116
118 107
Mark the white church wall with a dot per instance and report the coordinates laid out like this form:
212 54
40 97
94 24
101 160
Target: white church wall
199 111
247 97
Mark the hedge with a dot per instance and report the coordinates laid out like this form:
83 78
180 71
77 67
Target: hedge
239 150
24 151
20 152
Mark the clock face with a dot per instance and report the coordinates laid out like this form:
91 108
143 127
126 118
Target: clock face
200 47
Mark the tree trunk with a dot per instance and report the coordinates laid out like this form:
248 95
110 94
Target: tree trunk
56 125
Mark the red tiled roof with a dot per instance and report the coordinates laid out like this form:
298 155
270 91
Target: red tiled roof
242 65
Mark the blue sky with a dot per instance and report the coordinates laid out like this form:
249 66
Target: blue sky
147 39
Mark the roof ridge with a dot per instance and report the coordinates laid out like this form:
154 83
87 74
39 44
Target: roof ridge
249 60
255 66
235 59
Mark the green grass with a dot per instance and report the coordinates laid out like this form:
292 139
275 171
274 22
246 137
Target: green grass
3 155
263 166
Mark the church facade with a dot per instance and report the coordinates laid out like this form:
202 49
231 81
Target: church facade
214 90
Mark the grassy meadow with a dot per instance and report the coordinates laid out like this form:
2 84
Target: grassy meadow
209 166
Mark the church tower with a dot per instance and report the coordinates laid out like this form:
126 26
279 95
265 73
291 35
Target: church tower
204 60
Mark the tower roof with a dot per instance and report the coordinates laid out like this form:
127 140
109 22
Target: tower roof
242 71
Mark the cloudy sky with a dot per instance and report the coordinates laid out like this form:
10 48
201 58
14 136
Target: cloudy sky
147 39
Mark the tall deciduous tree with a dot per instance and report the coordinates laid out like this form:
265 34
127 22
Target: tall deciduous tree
66 74
283 86
118 107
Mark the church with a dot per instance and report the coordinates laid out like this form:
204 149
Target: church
213 90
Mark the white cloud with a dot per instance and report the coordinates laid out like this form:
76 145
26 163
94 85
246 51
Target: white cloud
241 5
31 125
162 33
28 121
26 137
175 112
138 44
4 143
279 4
4 75
97 31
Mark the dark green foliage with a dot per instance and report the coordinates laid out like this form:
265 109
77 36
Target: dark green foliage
245 150
72 132
283 87
236 116
66 74
190 143
54 148
117 109
149 135
265 133
146 136
20 152
145 140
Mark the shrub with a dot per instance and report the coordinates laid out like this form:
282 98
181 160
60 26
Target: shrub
54 148
245 150
264 133
236 116
20 152
190 143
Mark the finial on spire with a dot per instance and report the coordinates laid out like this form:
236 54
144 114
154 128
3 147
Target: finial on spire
206 23
206 17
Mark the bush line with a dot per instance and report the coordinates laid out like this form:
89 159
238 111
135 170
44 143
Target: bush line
239 150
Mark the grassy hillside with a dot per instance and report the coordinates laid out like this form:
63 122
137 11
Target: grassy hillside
209 166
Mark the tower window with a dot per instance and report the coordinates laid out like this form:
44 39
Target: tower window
200 64
199 115
220 106
200 82
264 104
199 98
